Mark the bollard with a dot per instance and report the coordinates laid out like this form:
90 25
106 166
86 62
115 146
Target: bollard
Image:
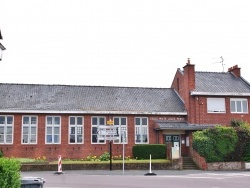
59 165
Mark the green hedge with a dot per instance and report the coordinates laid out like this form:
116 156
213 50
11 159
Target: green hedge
10 173
157 151
215 144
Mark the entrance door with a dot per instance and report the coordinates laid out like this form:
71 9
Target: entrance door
175 143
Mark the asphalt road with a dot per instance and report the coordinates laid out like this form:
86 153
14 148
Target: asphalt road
138 179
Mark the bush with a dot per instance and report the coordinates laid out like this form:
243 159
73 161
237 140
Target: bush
105 157
1 154
10 173
216 143
157 151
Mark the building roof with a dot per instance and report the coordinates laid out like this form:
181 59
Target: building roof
89 99
170 125
224 83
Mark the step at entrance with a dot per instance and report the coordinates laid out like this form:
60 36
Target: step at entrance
188 164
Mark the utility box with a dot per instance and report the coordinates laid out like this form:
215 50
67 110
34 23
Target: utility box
32 182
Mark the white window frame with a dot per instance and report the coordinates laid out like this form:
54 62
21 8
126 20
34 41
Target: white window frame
78 127
141 130
53 128
121 130
5 128
216 105
236 102
94 131
29 125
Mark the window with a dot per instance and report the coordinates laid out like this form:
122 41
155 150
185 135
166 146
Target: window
239 105
75 130
121 124
141 130
6 129
216 105
53 130
29 130
96 121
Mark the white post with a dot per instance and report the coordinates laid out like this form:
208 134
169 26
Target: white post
150 171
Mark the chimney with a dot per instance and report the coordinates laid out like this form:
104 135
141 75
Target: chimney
235 70
189 75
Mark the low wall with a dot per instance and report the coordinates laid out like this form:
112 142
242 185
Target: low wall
175 165
226 166
199 160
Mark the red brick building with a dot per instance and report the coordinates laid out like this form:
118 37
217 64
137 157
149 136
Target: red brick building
52 120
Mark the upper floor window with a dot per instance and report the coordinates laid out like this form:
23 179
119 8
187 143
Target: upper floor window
6 129
96 121
29 130
53 130
216 105
75 130
239 105
121 124
141 130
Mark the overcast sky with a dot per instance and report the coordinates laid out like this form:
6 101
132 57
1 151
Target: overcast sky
120 42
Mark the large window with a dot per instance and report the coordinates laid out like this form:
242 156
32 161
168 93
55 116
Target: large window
239 105
29 130
121 124
141 130
216 105
96 121
53 130
75 130
6 129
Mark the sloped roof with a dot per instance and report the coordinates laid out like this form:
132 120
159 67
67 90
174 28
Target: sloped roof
170 125
89 99
224 83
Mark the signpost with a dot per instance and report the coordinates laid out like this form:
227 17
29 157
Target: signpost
108 132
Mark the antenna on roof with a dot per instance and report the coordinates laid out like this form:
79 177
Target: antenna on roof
221 61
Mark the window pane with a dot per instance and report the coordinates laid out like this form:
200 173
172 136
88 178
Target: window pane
116 121
9 130
233 106
1 130
33 120
144 121
49 120
56 120
56 130
25 130
244 105
2 119
9 120
79 138
72 139
25 138
72 130
79 130
102 121
26 120
238 103
9 139
123 121
49 138
137 121
33 130
56 139
79 120
1 139
33 139
72 121
94 130
49 130
94 121
94 138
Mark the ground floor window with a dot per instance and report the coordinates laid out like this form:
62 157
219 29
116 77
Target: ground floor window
121 125
141 130
75 130
96 121
29 130
53 130
6 129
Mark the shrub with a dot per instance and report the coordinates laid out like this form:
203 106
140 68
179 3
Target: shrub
10 173
157 151
1 153
105 157
216 143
